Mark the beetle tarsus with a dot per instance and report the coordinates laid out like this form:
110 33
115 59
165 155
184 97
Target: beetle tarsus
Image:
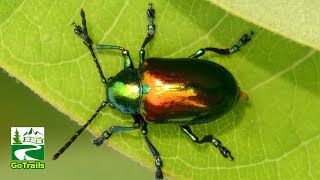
77 29
104 136
150 27
243 40
82 31
151 15
151 12
158 174
223 150
158 163
98 142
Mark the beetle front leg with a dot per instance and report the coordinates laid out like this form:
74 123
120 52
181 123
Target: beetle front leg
151 26
151 30
244 39
208 138
114 129
125 53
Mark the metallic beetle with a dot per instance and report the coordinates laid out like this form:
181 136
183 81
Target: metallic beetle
182 91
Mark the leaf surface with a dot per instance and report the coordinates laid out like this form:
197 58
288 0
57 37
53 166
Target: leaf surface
273 136
296 20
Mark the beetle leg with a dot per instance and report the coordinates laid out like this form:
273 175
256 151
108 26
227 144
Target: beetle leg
114 129
151 30
151 26
83 33
244 39
155 153
208 138
125 53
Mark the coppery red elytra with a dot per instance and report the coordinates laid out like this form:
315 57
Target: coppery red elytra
180 91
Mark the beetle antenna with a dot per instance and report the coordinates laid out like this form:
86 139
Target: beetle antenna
75 136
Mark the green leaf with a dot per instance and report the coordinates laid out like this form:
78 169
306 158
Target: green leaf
273 136
294 19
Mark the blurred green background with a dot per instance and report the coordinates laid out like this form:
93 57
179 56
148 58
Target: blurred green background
19 106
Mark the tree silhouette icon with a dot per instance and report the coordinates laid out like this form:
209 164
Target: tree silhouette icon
16 137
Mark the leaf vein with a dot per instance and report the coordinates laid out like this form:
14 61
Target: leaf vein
279 74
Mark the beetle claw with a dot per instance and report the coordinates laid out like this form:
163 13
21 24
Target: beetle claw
246 38
225 152
104 136
158 175
77 30
98 142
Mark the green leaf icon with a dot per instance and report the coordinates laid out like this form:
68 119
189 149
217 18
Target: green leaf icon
275 135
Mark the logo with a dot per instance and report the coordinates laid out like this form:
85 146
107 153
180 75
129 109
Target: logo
27 144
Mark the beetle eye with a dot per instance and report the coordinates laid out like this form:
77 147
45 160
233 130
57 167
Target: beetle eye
109 79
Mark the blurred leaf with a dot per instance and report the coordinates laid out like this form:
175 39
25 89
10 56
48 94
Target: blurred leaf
296 20
273 136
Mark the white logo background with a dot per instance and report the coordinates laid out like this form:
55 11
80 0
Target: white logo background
24 132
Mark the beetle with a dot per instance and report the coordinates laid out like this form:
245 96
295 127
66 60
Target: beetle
182 91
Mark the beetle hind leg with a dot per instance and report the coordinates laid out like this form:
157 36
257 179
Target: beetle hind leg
243 40
207 139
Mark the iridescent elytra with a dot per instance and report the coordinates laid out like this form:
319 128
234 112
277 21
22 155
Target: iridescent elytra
177 91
